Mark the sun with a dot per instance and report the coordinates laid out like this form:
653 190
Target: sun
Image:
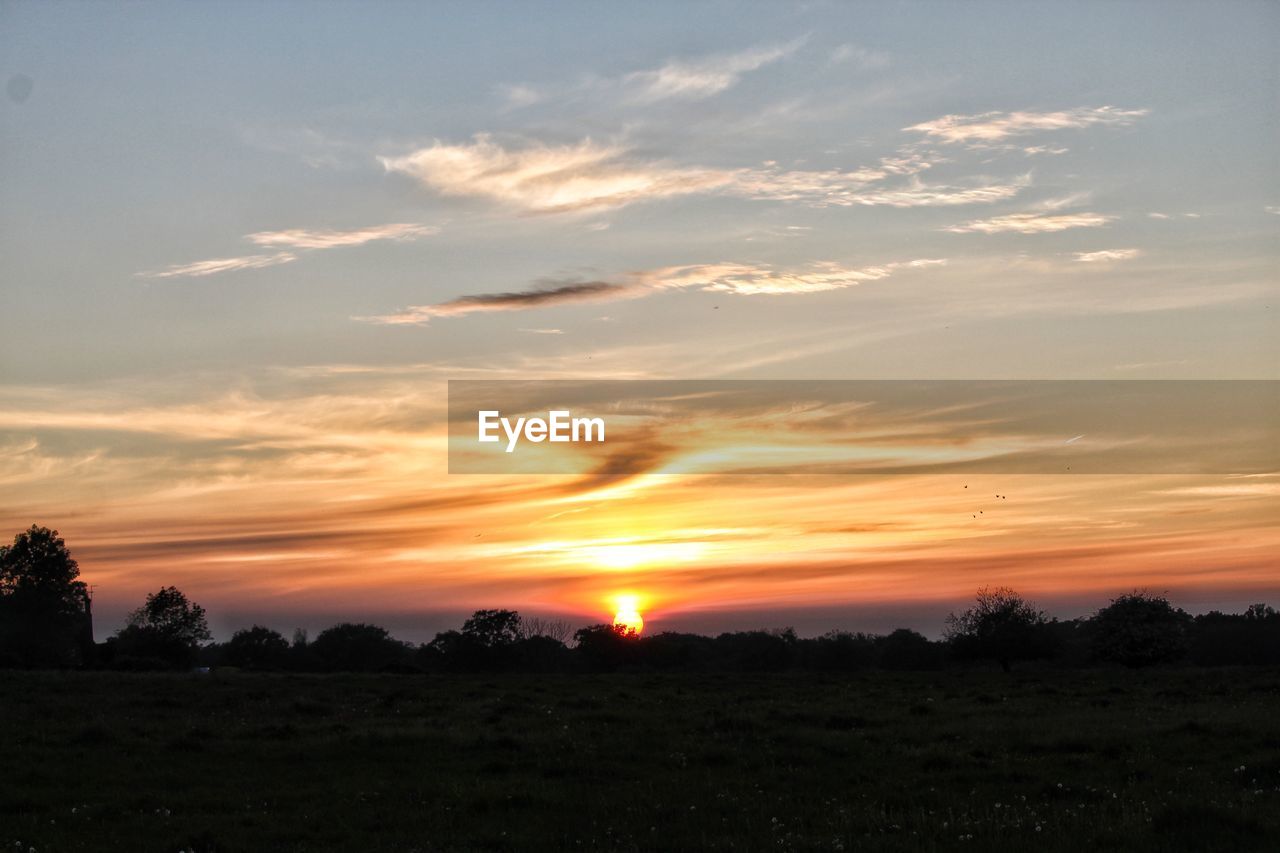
627 613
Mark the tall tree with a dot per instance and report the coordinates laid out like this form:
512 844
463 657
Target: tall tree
1001 626
492 628
44 607
167 627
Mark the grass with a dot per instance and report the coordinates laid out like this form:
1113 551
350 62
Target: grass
1161 760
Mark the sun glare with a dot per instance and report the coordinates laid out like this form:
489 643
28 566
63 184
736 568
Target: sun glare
631 555
627 613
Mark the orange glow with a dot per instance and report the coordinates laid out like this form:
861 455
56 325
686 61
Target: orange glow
628 613
354 514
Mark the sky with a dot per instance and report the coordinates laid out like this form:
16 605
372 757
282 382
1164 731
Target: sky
245 246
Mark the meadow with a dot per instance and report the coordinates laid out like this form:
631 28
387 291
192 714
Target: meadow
1161 759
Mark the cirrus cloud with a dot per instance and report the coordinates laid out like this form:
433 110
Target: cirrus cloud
987 128
302 238
754 280
543 296
688 79
702 78
544 179
547 178
1105 255
1031 223
726 277
212 266
298 239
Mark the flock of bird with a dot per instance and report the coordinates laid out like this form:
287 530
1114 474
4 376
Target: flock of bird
1001 497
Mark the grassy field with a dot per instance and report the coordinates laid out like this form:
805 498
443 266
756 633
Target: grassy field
1182 759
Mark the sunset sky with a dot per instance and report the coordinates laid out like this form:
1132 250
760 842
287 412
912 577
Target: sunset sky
243 248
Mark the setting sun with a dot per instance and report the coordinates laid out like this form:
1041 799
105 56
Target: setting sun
628 613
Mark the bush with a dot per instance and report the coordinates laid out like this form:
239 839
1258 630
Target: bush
906 649
357 647
1139 629
256 648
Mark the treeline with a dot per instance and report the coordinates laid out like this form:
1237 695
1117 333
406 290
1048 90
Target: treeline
499 641
45 621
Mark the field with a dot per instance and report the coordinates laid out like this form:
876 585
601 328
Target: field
1176 759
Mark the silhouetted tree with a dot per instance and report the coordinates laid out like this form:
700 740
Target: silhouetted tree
1249 638
1140 629
555 629
606 647
256 648
357 647
44 609
672 650
757 651
1001 626
906 649
491 628
1072 641
1260 613
166 629
540 653
453 651
841 651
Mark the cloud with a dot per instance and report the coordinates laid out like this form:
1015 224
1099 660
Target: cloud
296 238
986 128
220 265
677 79
702 78
590 176
301 238
1147 365
841 189
1107 255
543 331
750 280
541 297
549 179
737 278
520 95
863 58
1243 490
863 186
1031 223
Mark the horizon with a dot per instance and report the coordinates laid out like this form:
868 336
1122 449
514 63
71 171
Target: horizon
926 618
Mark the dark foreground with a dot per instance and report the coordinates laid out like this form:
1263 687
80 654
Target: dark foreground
1182 760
